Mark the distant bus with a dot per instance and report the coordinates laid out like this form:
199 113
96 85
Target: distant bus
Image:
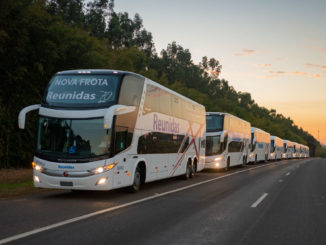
105 129
227 140
288 149
296 152
301 150
276 149
259 145
306 151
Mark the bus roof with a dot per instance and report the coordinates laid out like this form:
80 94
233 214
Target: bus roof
119 72
225 113
97 72
253 129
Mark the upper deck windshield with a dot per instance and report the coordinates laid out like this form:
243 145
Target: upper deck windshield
82 90
214 123
67 139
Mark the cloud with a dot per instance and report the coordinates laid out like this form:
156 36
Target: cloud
306 74
300 73
245 52
314 65
261 76
262 65
277 72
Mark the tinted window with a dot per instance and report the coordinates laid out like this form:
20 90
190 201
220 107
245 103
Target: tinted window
214 146
72 139
82 90
162 101
130 94
235 146
214 123
159 143
272 146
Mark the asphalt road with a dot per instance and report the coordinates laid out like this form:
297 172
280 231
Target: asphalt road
276 203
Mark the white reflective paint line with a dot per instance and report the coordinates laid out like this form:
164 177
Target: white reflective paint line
86 216
288 173
259 200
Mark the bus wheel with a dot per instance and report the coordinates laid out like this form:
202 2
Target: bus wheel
137 181
243 162
189 170
255 160
193 168
227 168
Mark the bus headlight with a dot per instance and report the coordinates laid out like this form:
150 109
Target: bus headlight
218 158
37 167
102 169
101 181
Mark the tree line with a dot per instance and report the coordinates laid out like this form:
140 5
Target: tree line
40 37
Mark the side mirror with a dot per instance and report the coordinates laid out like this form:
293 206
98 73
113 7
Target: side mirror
222 137
23 112
116 110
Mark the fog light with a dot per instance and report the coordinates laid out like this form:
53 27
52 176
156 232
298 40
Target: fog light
101 181
36 179
217 164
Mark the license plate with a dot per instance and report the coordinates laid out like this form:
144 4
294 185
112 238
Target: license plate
66 183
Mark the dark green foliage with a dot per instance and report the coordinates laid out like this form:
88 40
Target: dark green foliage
39 38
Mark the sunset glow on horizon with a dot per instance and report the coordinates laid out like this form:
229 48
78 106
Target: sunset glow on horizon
274 50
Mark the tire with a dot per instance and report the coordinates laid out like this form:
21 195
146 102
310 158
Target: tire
227 168
137 181
193 170
255 160
189 171
243 162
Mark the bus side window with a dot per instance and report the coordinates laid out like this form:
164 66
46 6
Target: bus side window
122 139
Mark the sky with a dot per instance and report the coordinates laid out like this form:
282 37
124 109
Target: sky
275 50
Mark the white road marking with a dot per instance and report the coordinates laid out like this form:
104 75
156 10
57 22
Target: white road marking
280 180
288 173
259 200
86 216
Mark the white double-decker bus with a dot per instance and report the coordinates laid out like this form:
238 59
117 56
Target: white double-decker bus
276 148
288 149
104 129
259 145
227 140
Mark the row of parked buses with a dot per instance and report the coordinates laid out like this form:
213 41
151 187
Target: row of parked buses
231 141
105 129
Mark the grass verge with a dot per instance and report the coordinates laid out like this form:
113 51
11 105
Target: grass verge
16 182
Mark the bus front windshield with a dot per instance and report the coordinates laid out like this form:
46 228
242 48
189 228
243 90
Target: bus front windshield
214 123
213 145
72 138
272 146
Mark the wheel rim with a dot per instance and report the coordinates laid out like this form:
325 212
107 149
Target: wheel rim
137 180
188 170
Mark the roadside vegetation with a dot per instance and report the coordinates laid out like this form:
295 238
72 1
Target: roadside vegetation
14 182
39 38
